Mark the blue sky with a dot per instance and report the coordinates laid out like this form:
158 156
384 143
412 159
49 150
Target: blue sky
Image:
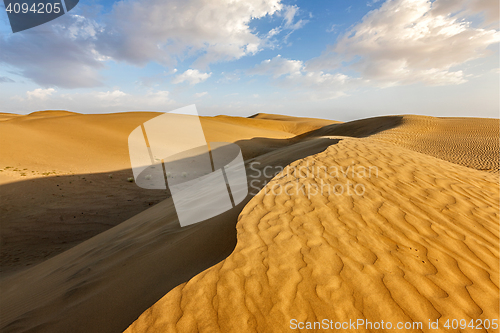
342 60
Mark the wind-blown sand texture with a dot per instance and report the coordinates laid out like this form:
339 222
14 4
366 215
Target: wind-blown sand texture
420 243
469 142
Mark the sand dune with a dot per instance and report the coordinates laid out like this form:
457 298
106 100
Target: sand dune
106 282
419 244
63 175
70 143
295 125
412 237
471 142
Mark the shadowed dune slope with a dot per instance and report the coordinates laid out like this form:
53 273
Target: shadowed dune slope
419 244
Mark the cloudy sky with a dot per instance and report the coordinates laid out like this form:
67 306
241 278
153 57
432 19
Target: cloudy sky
336 59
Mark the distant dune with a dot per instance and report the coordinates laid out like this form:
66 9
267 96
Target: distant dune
390 218
471 142
87 143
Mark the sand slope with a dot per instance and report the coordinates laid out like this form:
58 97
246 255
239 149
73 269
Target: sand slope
68 143
295 125
471 142
63 175
105 283
420 244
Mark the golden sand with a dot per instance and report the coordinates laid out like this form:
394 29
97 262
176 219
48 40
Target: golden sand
420 244
418 241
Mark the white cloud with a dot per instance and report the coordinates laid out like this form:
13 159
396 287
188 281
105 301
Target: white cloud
273 32
290 24
198 95
71 51
93 101
114 97
40 93
81 27
120 99
332 28
292 74
159 97
372 2
320 85
62 53
192 76
489 8
407 41
289 16
163 31
229 77
277 67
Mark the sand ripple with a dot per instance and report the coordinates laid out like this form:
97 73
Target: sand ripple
420 244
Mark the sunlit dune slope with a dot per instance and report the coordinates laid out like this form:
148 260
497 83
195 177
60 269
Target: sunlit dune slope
6 116
471 142
67 142
420 243
295 125
281 117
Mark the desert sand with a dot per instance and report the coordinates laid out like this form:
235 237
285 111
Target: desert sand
63 175
418 241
